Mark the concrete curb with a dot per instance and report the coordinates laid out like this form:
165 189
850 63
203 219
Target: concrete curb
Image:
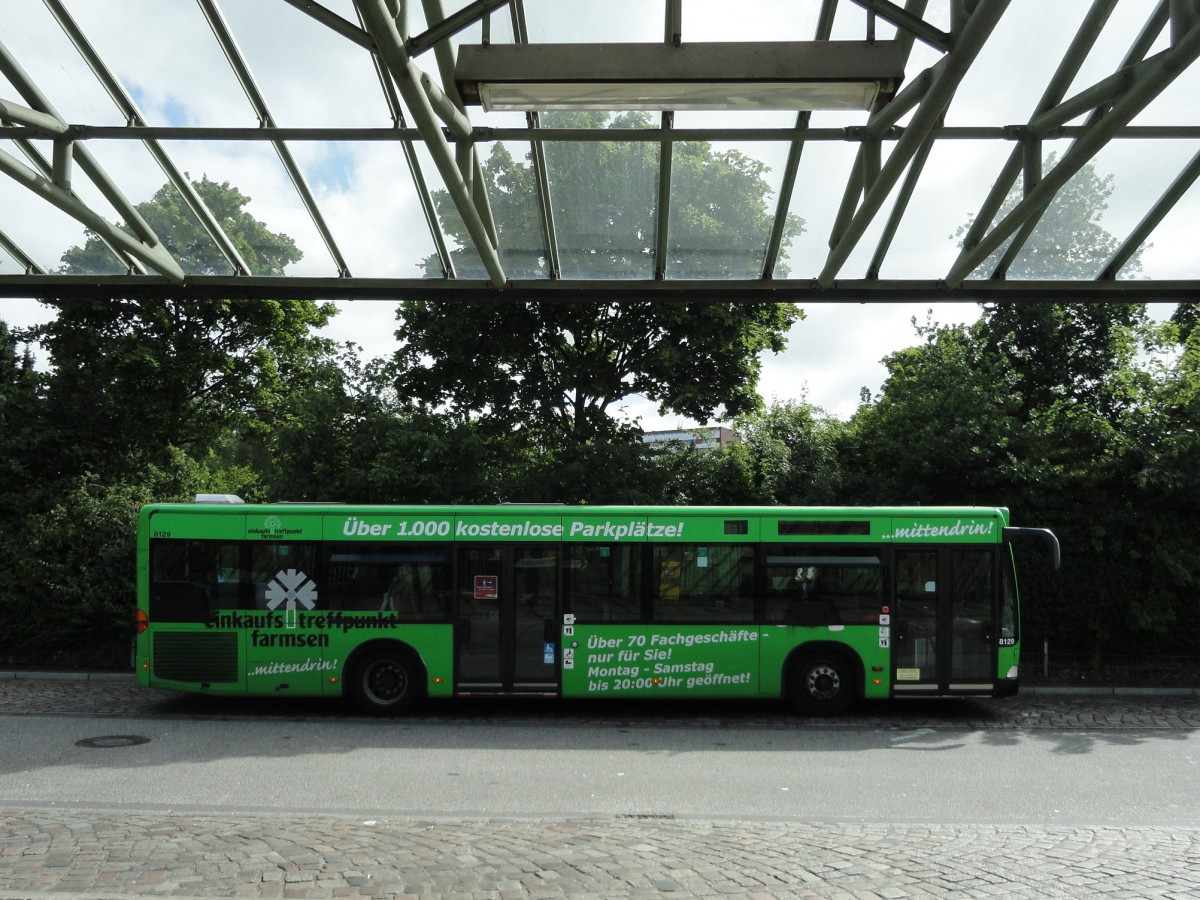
1061 690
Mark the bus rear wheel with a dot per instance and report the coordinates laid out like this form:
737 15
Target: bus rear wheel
821 684
386 683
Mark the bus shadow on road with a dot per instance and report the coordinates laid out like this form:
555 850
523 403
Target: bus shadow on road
465 712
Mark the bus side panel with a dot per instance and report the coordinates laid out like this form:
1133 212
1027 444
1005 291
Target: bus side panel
868 642
1007 670
660 660
434 645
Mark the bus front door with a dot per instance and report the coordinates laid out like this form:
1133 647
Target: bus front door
507 610
944 623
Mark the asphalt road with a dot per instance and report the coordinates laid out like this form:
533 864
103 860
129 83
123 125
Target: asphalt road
107 790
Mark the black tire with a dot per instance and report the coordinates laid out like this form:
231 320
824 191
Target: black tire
387 683
821 684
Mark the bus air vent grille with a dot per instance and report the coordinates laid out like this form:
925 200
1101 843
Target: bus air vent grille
196 656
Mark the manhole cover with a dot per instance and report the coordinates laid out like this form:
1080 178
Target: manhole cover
113 740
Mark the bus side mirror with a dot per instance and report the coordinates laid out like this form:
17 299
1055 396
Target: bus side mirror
1045 535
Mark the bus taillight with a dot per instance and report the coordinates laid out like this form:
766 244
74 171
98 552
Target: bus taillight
141 621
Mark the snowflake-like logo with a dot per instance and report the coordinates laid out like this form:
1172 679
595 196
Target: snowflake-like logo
291 587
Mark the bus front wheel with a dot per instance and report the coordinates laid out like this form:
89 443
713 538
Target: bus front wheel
821 685
386 683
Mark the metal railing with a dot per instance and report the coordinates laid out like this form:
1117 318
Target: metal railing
1061 662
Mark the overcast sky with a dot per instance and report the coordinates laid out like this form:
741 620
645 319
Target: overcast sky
164 53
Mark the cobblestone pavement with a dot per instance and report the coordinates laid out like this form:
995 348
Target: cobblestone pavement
102 853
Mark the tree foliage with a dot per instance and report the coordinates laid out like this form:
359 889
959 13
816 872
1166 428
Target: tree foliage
556 372
139 375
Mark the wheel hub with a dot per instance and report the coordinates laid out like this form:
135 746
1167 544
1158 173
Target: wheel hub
823 682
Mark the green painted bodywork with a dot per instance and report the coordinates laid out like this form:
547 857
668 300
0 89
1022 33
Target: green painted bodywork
642 660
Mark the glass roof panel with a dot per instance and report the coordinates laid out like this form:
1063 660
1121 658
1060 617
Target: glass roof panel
723 200
604 196
330 86
169 63
371 206
515 209
254 171
1176 104
952 188
52 64
1170 252
1009 77
620 21
757 20
820 182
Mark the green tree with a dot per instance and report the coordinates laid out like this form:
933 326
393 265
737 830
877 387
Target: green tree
1065 350
795 454
132 377
345 435
943 427
67 565
554 372
22 437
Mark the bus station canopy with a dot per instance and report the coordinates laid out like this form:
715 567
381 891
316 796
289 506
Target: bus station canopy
907 151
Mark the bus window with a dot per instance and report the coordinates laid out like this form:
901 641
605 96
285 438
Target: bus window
602 582
703 583
972 599
1009 621
412 581
267 559
823 587
189 580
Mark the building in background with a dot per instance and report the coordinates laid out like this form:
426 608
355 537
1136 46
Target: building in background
708 438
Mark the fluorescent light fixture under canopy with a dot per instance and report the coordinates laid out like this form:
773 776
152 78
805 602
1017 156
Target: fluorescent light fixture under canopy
794 75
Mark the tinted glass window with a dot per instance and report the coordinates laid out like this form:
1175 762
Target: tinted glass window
823 587
412 581
703 583
602 582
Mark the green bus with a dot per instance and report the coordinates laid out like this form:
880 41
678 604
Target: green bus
389 605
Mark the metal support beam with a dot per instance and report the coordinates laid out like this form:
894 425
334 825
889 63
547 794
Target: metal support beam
241 69
953 67
446 27
156 257
23 259
382 26
1081 45
133 116
906 21
334 22
893 222
37 121
783 206
401 132
612 291
662 212
541 173
10 68
1150 79
469 165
